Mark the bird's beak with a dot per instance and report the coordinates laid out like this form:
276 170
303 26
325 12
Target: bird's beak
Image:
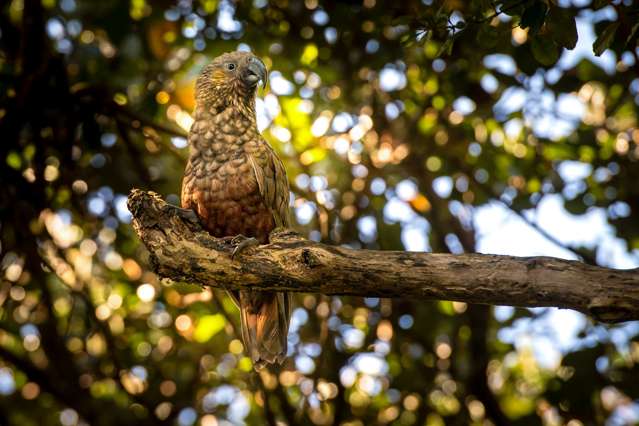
254 72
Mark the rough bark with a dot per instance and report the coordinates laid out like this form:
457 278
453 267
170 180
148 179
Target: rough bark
181 251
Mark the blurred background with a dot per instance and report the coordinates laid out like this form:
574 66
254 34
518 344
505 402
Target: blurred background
500 127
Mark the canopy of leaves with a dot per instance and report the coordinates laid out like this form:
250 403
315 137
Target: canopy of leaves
398 122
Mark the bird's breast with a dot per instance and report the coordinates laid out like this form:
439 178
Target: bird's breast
220 184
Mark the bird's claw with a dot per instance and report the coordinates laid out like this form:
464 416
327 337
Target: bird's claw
188 215
242 243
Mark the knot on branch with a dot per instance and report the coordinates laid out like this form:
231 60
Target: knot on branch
608 310
310 259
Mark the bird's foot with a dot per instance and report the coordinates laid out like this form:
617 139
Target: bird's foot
242 243
188 215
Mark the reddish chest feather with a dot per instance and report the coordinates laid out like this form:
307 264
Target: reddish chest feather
220 185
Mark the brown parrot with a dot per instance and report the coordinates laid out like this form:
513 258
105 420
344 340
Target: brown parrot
237 185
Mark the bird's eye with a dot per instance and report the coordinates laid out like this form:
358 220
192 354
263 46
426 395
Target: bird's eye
230 66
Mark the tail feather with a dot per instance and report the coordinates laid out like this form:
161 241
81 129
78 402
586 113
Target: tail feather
265 318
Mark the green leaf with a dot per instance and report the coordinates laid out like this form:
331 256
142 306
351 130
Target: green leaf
605 38
533 17
407 39
310 54
545 50
562 26
14 161
487 36
446 307
207 327
633 32
209 6
186 288
403 20
446 47
481 6
512 7
598 4
576 206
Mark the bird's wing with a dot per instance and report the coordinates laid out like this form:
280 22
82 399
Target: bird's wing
272 183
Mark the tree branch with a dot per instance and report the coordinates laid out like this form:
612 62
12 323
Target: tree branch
182 251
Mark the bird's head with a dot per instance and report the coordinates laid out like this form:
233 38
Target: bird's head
230 81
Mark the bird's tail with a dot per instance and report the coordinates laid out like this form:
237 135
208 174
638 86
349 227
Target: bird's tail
265 317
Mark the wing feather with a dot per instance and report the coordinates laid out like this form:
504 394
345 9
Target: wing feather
272 183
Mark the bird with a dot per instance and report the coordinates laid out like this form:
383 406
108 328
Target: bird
237 186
